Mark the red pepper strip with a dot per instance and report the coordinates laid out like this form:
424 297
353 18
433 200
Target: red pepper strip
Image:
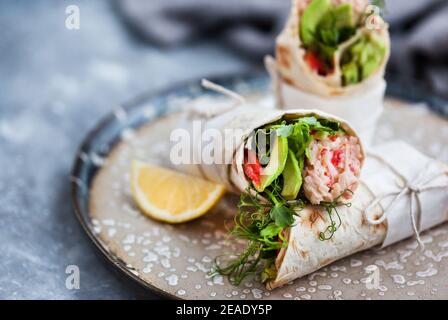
315 63
252 167
337 157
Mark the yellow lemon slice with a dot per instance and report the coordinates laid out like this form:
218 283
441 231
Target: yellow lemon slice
171 196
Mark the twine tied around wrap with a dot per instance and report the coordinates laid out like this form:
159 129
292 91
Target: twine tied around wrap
412 188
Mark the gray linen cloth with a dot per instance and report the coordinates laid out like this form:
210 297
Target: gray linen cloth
419 30
248 26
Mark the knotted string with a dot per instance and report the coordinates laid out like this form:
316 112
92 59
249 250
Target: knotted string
220 89
207 113
412 188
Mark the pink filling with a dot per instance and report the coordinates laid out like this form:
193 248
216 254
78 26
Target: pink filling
334 166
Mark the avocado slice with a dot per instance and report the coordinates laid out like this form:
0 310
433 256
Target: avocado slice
292 177
365 56
371 65
311 18
350 73
371 59
279 154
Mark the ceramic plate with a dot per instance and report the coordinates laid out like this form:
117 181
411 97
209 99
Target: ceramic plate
174 261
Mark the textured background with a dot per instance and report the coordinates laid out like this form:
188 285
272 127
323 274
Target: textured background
419 30
55 85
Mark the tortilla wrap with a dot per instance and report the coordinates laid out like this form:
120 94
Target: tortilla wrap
296 85
295 72
227 165
367 222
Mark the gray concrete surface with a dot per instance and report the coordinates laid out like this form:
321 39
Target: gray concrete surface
55 84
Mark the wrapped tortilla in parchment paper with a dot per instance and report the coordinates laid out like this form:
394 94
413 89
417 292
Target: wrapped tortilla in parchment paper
227 165
331 56
402 193
277 161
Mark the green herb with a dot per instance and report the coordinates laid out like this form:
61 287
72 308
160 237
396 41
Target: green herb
311 18
264 217
331 207
337 25
324 27
255 224
282 216
301 137
271 231
244 265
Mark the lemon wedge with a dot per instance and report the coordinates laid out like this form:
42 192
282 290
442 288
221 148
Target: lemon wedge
170 196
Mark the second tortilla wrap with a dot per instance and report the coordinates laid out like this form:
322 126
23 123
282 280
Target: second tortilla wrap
227 165
295 72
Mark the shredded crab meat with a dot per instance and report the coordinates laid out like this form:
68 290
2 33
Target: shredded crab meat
332 169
